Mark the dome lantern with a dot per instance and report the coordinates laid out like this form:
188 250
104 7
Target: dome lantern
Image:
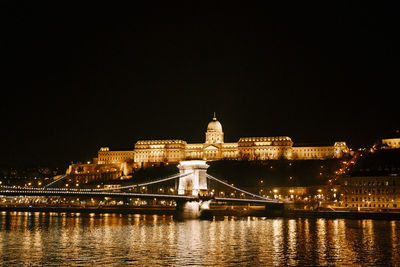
214 132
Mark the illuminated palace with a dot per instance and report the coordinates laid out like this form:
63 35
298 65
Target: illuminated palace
152 152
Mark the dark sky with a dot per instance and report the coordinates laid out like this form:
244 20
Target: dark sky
81 76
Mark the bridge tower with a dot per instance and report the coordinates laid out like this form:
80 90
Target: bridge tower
196 183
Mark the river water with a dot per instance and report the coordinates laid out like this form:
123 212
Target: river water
146 240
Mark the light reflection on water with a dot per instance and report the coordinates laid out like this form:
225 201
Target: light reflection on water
89 239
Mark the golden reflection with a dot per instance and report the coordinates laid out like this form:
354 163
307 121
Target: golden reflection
277 242
368 238
321 241
1 239
38 244
91 220
368 235
306 236
395 240
292 241
26 239
189 241
102 240
338 240
136 219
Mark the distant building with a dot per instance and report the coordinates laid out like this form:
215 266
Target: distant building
88 172
391 143
150 152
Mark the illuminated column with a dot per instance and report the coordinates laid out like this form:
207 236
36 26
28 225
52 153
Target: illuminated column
196 182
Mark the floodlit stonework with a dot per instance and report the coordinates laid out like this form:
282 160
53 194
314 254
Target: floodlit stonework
391 142
153 152
214 148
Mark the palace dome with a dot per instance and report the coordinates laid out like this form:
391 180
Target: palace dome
214 125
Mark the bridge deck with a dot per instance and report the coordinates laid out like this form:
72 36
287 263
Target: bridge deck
64 193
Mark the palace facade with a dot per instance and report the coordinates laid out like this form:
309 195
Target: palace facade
152 152
214 148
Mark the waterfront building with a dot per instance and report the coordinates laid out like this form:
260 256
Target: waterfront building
373 183
154 152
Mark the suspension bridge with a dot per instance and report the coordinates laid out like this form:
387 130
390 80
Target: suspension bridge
192 184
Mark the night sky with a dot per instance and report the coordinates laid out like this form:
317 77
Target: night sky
78 77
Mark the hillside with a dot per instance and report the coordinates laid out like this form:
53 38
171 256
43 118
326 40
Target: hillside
251 173
275 173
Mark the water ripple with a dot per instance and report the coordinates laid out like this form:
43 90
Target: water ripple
116 240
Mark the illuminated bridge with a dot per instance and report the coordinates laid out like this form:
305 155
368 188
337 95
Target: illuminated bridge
191 184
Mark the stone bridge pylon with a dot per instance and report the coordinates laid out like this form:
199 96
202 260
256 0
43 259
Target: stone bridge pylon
194 184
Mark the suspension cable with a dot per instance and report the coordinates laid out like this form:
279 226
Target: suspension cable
147 183
238 189
55 181
171 177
